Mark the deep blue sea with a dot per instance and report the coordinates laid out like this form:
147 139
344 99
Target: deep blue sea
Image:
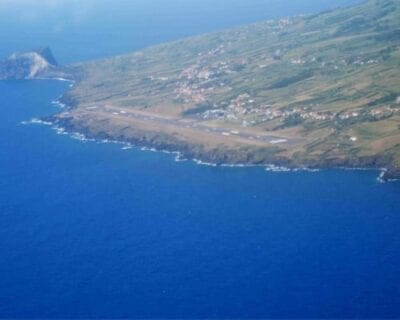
88 230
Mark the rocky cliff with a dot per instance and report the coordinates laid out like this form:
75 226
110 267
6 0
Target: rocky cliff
36 64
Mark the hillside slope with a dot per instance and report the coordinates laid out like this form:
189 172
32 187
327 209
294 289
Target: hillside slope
317 90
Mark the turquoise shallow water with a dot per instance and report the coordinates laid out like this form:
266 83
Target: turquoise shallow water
90 230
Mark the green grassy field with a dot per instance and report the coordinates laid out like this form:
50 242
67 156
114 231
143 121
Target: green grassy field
331 80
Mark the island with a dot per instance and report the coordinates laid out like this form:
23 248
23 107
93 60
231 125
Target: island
36 64
309 91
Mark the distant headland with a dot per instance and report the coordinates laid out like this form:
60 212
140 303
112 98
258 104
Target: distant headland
36 64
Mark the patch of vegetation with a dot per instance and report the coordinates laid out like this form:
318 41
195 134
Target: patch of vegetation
285 82
292 121
198 109
389 98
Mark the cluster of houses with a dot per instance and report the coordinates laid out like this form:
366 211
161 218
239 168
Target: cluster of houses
198 80
195 84
383 112
212 52
362 62
190 94
245 109
376 113
348 115
279 25
336 65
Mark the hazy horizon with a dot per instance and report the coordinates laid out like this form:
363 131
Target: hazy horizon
27 24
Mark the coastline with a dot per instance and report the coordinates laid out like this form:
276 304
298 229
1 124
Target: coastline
206 109
216 157
219 157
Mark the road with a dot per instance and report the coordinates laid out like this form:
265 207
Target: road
194 125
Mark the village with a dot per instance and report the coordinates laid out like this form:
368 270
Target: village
197 83
211 75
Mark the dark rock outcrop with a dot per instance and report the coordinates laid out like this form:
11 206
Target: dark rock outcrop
46 53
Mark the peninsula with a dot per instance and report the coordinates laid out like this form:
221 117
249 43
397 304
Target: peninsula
313 91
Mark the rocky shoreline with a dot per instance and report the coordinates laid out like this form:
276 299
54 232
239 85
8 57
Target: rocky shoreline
244 156
41 64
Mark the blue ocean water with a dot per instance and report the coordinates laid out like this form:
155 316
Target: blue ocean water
89 230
